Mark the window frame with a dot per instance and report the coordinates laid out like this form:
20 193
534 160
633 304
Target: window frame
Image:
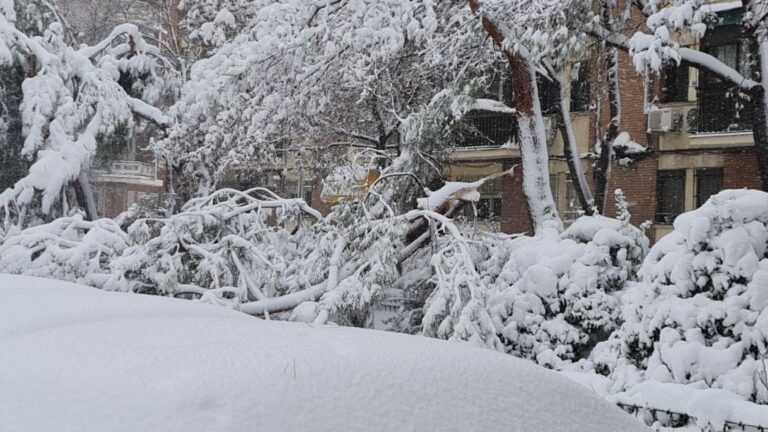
581 88
661 215
490 195
706 173
721 107
678 91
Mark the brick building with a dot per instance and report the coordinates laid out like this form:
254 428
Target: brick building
120 184
693 127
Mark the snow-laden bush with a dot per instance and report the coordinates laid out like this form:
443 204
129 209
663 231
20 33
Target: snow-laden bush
550 297
698 314
69 249
553 295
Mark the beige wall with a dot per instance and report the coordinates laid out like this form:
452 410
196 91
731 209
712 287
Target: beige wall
683 140
582 123
457 171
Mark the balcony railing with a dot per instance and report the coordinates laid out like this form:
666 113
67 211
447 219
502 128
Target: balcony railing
490 130
722 110
128 169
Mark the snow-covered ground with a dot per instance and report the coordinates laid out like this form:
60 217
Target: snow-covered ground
77 358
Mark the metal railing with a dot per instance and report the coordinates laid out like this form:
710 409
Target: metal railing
670 418
722 110
492 130
128 169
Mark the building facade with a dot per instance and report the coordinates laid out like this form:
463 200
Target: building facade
695 130
120 184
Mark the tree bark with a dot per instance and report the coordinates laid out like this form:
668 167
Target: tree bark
90 202
759 125
758 48
603 167
571 149
533 140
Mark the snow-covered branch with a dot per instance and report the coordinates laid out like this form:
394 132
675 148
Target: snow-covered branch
73 98
654 52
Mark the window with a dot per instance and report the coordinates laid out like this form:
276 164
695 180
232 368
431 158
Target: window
709 181
492 130
549 94
485 129
733 54
489 206
500 88
553 187
572 205
675 83
722 107
308 194
581 87
290 188
670 195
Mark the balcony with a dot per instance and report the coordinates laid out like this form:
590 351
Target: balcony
490 130
721 111
122 171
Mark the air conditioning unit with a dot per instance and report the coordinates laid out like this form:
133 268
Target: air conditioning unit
661 120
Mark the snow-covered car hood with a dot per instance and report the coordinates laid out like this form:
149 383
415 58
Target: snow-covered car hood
78 359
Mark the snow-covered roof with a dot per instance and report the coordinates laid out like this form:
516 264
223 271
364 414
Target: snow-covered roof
76 358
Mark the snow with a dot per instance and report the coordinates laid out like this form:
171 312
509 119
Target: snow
599 384
225 17
490 105
468 192
97 361
347 181
69 249
586 228
710 407
628 145
721 6
74 98
697 317
554 293
536 171
462 191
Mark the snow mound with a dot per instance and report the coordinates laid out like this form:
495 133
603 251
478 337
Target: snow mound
554 296
102 361
698 316
711 408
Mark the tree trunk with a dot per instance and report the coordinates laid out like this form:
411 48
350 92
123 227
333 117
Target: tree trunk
533 146
533 140
571 149
603 167
90 202
759 95
760 132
